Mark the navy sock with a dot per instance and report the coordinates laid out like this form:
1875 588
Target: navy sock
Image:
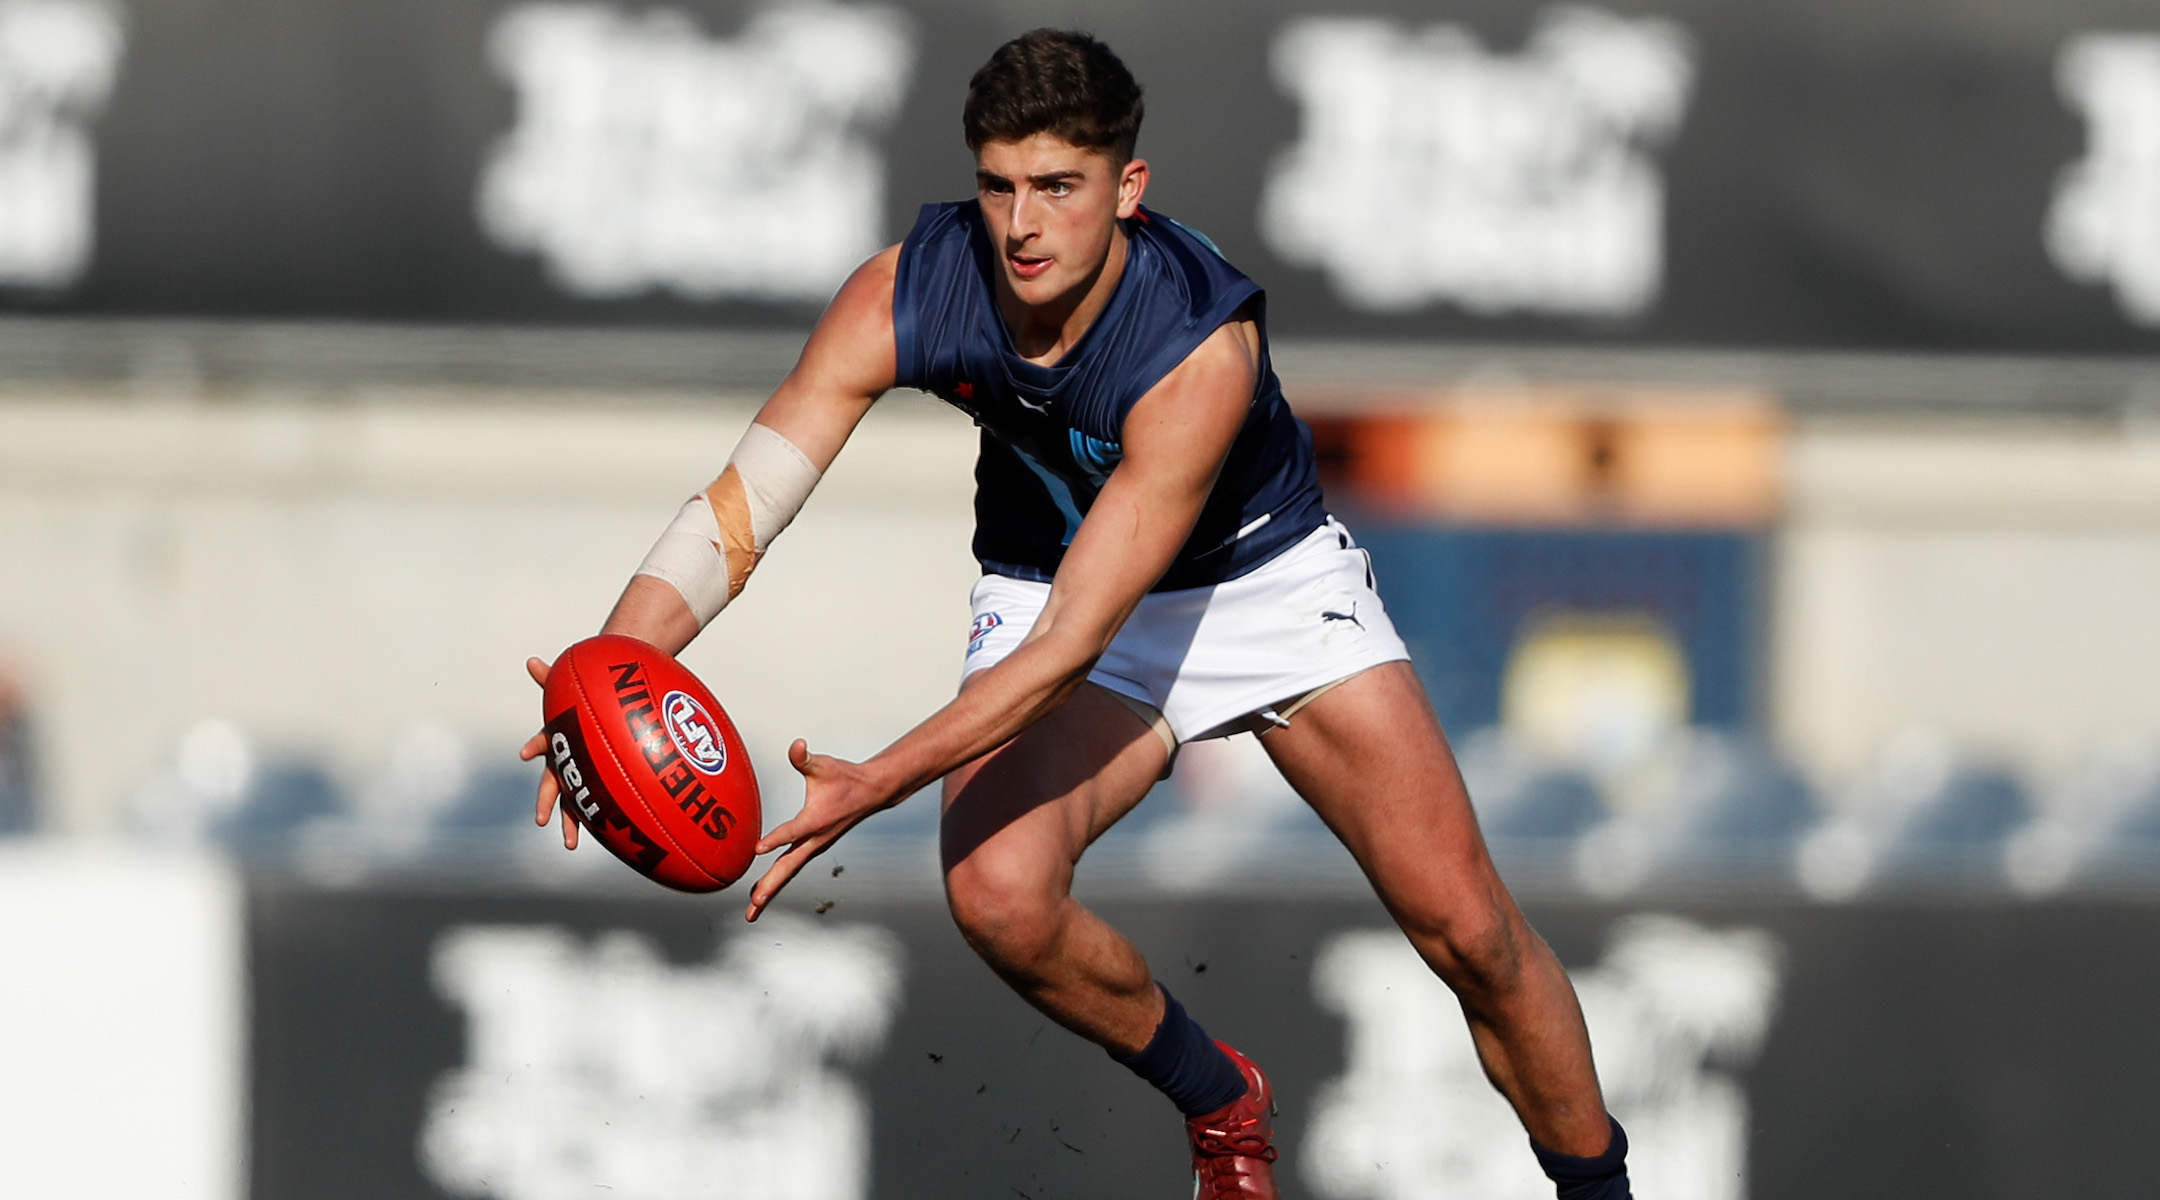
1601 1178
1184 1063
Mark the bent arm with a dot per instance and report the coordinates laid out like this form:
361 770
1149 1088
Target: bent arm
1175 441
704 559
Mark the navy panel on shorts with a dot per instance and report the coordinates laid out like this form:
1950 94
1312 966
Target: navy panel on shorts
1051 435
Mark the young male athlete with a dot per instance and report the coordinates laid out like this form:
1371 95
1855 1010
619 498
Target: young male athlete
1158 568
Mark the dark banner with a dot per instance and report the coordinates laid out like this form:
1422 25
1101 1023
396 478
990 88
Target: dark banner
1790 173
533 1045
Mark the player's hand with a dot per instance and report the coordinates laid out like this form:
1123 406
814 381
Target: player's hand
544 803
837 795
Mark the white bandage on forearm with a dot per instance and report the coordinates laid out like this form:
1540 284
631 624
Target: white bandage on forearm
689 559
716 540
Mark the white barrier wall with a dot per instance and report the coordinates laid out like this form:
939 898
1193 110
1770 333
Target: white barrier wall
126 1004
326 571
1998 584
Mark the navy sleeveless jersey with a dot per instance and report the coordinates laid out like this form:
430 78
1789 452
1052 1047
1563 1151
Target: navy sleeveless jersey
1051 435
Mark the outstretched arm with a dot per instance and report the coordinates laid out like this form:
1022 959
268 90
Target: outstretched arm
847 364
1175 441
704 559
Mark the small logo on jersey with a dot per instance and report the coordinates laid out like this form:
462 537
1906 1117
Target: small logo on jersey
964 390
1034 404
983 625
694 733
1095 456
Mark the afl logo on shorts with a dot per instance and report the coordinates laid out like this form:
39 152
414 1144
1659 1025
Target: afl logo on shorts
983 625
693 733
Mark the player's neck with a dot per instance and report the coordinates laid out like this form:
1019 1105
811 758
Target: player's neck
1042 333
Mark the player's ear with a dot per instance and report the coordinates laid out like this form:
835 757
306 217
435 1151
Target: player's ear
1132 184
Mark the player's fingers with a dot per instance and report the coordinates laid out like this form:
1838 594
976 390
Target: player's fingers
569 830
534 746
537 668
783 869
790 831
798 755
768 886
544 800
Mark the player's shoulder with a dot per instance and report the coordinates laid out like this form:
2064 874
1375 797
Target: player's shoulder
880 267
869 288
1162 227
1230 352
853 341
1188 260
944 223
944 250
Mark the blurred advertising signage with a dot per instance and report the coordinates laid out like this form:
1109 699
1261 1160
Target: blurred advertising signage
648 155
1429 170
710 1080
58 59
1673 1008
1804 173
409 1041
2104 226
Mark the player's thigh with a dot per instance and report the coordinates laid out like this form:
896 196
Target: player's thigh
1370 758
1026 811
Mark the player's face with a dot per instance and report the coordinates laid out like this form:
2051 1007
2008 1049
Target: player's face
1052 210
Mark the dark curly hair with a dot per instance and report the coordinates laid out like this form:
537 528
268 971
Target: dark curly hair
1055 81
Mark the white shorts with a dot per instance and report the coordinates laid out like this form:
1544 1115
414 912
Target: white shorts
1209 658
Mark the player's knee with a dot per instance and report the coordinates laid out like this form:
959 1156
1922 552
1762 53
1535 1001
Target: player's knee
1476 947
1002 911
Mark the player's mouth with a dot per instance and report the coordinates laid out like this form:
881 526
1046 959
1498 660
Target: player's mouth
1028 266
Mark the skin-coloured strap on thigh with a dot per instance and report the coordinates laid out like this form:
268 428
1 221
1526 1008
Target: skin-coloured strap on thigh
1290 708
1151 717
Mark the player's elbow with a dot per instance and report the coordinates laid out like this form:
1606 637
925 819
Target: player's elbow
1074 646
1071 649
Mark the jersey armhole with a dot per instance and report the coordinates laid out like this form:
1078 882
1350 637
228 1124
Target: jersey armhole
1200 330
909 368
906 372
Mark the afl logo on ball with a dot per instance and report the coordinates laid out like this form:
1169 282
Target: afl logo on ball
693 733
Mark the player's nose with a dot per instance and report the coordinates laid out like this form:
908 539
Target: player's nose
1026 217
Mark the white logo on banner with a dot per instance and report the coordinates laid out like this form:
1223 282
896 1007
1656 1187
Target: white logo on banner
609 1072
1413 1118
648 155
58 59
2104 226
1429 170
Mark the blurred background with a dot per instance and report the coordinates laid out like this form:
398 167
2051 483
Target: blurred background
1752 412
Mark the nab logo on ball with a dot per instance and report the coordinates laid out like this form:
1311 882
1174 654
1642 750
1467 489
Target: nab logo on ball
692 732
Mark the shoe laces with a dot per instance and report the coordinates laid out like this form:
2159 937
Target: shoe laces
1243 1141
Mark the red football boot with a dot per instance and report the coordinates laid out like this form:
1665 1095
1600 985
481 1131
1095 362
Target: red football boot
1233 1148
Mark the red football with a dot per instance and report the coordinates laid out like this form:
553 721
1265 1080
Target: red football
649 764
